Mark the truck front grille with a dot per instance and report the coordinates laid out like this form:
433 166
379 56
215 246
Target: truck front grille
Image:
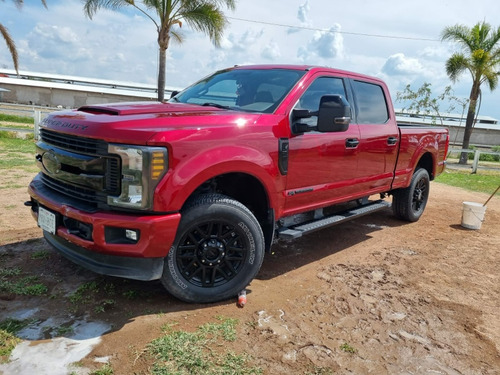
87 174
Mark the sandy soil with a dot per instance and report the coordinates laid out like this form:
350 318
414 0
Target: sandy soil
419 298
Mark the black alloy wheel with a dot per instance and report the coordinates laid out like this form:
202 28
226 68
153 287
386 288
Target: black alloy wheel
218 250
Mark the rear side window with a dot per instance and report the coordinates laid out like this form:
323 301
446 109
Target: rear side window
372 107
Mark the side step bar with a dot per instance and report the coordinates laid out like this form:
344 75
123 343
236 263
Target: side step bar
296 231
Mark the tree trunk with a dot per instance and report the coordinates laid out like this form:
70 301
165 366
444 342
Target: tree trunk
469 123
161 73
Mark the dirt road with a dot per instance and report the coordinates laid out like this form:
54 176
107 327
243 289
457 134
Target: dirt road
375 295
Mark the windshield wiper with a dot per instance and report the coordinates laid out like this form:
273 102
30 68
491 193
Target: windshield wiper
215 105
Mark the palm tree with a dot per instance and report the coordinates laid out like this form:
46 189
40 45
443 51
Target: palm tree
8 39
481 57
168 15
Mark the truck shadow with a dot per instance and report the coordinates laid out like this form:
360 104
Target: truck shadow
286 256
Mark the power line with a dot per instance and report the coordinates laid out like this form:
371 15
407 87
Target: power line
327 30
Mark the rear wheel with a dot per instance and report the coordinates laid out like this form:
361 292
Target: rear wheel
218 250
409 203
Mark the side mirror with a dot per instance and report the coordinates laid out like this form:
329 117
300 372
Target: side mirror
334 114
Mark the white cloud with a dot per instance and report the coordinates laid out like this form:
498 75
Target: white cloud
271 51
399 64
325 45
303 13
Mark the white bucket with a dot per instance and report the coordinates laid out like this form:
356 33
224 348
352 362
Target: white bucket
473 215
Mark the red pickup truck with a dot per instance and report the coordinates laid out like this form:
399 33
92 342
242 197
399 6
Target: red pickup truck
193 191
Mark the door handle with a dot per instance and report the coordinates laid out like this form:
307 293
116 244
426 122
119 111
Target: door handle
391 141
351 142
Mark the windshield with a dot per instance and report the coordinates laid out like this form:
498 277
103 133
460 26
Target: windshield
251 90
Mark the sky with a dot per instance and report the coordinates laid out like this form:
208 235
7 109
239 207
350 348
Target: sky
398 41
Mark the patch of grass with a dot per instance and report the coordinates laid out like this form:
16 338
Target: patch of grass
102 306
13 326
16 153
40 254
6 272
485 181
95 293
130 294
85 293
200 352
345 347
320 371
18 119
8 340
12 283
7 344
104 370
62 330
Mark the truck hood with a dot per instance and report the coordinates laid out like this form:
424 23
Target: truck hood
137 122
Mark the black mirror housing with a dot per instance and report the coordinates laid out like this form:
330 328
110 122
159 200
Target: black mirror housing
334 114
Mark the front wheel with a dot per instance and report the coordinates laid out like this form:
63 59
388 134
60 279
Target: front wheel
409 203
218 250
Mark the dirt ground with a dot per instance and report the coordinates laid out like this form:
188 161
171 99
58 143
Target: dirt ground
420 298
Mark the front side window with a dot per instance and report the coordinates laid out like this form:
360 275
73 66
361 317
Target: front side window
320 87
251 90
372 107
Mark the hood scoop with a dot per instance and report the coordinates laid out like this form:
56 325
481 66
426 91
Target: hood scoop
141 108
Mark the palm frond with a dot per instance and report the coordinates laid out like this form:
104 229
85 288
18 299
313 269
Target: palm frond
456 65
91 7
490 76
176 36
206 18
459 34
10 45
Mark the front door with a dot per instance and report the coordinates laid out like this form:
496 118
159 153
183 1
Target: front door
321 165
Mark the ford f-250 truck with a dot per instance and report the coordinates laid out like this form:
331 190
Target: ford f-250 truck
193 191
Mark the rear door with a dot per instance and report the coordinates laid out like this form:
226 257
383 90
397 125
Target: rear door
379 136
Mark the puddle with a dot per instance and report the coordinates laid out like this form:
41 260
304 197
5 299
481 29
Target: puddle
54 356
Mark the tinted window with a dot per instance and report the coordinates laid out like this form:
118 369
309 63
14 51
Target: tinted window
321 86
372 107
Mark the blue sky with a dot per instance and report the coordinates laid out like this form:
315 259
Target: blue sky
395 40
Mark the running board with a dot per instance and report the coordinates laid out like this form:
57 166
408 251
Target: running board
296 231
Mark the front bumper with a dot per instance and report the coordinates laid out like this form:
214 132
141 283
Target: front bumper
128 267
98 250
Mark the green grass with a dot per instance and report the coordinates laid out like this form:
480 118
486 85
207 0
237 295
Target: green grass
8 340
201 352
16 153
12 281
7 344
40 254
18 119
345 347
13 326
484 181
104 370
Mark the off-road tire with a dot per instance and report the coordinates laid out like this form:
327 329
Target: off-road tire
409 203
218 250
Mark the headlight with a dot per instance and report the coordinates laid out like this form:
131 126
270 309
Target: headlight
142 169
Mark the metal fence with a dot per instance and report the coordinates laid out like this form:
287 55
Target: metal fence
36 112
476 160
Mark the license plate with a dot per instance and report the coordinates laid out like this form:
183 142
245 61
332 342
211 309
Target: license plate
46 220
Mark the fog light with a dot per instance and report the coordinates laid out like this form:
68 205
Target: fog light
132 234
